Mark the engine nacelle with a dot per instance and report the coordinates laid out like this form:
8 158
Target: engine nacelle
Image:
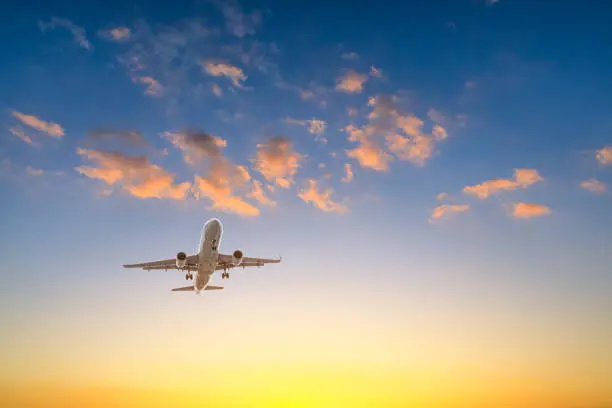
237 257
181 260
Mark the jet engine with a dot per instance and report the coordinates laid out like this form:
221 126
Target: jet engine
181 260
237 257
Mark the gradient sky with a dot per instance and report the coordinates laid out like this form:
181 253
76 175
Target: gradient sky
435 174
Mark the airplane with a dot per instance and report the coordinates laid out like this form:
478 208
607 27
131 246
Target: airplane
206 262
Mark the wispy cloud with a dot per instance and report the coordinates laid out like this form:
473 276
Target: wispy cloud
277 161
523 178
134 174
116 34
77 32
348 173
216 89
50 128
349 55
441 196
17 131
31 171
351 82
594 186
237 21
322 200
130 137
444 209
196 146
314 126
529 210
236 74
259 194
376 72
154 88
604 156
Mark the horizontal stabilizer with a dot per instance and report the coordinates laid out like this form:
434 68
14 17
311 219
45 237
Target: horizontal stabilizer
183 288
190 288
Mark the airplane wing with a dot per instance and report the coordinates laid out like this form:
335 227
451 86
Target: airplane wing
225 262
191 263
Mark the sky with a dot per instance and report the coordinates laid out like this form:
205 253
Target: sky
436 176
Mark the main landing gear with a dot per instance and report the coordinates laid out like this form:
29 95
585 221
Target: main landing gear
225 275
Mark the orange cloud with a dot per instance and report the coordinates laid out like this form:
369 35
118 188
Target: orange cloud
321 200
352 82
349 173
220 192
135 174
403 135
594 186
604 155
17 131
258 194
236 75
523 178
277 161
441 196
528 210
443 209
368 153
117 34
223 179
50 128
154 88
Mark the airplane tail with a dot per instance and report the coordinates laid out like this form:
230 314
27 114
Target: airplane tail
190 288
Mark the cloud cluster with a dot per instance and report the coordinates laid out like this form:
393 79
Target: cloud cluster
135 174
277 161
403 136
221 180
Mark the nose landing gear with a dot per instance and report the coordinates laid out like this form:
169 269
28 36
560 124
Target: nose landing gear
188 276
225 275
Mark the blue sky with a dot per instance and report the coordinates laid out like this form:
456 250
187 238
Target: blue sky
477 136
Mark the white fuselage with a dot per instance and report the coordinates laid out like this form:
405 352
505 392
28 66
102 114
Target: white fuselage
208 255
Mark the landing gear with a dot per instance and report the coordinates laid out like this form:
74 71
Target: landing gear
188 276
225 275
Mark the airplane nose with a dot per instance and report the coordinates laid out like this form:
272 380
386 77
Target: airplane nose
214 226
